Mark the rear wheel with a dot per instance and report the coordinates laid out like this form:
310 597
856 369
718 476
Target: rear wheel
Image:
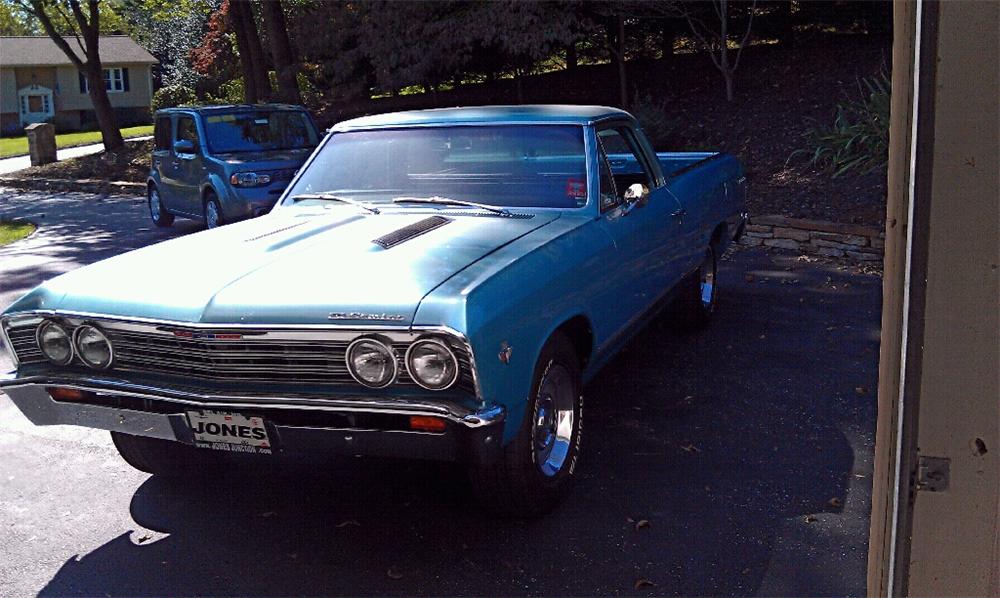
161 217
695 304
213 211
155 455
536 469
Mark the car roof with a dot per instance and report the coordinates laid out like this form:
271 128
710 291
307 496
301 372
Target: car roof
229 108
526 114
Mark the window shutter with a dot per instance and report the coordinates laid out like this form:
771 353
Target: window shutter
83 83
124 79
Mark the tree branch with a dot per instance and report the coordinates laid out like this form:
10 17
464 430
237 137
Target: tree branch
746 34
38 10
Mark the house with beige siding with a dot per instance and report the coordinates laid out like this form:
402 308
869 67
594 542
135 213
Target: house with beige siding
38 83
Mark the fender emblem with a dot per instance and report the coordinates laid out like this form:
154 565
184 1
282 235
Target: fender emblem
356 315
505 352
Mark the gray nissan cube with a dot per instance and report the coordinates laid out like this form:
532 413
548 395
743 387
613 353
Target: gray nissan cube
225 163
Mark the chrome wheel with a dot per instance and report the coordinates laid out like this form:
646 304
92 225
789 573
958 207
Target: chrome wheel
154 205
706 282
212 216
553 420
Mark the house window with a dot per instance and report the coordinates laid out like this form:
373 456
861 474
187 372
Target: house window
115 80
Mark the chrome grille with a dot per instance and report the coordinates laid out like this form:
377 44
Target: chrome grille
250 358
24 344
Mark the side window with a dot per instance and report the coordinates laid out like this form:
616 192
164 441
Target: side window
625 159
609 195
187 131
161 133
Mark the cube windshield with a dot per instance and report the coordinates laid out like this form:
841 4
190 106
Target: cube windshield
541 166
259 130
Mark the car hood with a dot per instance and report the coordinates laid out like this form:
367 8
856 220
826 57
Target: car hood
293 156
286 268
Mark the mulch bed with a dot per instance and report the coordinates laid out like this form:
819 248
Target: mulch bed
132 164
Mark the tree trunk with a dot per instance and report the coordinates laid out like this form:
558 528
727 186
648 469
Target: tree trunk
667 36
620 53
572 59
111 135
256 85
727 76
89 65
281 52
250 85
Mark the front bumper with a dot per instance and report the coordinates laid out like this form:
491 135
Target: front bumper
351 426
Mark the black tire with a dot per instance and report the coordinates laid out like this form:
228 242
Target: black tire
212 202
515 484
692 310
155 455
157 212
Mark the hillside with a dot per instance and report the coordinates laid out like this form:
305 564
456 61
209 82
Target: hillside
780 90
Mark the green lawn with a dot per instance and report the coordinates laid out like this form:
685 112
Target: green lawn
14 231
18 146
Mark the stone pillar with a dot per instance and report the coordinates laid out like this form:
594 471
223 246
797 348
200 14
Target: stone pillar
41 143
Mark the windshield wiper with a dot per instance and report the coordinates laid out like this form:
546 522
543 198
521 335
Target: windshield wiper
331 197
447 201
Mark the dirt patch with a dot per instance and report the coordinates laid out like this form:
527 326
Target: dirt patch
130 164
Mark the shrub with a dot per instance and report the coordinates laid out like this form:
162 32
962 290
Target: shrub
230 92
652 117
858 139
173 95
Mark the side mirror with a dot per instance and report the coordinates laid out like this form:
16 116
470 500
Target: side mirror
183 147
637 193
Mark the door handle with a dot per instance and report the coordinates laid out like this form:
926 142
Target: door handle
619 162
176 164
679 213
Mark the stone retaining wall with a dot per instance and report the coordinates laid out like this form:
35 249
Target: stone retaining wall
831 239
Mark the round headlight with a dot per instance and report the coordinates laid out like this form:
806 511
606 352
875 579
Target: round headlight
432 364
371 362
93 347
54 342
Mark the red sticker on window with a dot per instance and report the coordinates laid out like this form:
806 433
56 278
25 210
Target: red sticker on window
576 188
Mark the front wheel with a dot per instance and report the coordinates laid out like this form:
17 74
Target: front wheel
213 212
155 455
159 214
536 469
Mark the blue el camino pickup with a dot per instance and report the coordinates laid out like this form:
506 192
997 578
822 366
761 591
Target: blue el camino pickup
435 284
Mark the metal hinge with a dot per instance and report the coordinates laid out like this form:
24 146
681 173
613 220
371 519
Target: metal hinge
933 473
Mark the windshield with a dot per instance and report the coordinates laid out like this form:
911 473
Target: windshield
259 130
518 166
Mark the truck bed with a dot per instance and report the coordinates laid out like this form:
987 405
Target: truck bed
672 163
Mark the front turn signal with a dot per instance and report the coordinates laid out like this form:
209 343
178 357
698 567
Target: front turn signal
67 394
424 423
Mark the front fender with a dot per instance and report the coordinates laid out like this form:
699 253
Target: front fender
516 298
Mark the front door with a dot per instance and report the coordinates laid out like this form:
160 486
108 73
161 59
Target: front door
186 169
36 104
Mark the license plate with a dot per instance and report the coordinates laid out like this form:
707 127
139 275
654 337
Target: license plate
225 431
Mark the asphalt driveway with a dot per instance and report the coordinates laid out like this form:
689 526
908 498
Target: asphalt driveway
732 461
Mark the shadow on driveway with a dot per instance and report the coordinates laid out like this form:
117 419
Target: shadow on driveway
747 448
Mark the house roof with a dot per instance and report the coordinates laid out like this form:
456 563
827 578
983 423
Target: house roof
42 51
534 114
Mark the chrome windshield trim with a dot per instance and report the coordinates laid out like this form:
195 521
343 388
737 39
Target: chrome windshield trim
471 418
292 332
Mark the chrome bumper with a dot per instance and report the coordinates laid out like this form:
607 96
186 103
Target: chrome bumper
473 435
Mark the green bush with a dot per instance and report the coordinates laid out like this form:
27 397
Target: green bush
652 117
230 92
858 139
173 95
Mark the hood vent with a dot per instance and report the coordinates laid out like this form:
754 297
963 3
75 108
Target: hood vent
410 231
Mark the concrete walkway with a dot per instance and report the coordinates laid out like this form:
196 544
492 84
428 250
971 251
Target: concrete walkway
9 165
